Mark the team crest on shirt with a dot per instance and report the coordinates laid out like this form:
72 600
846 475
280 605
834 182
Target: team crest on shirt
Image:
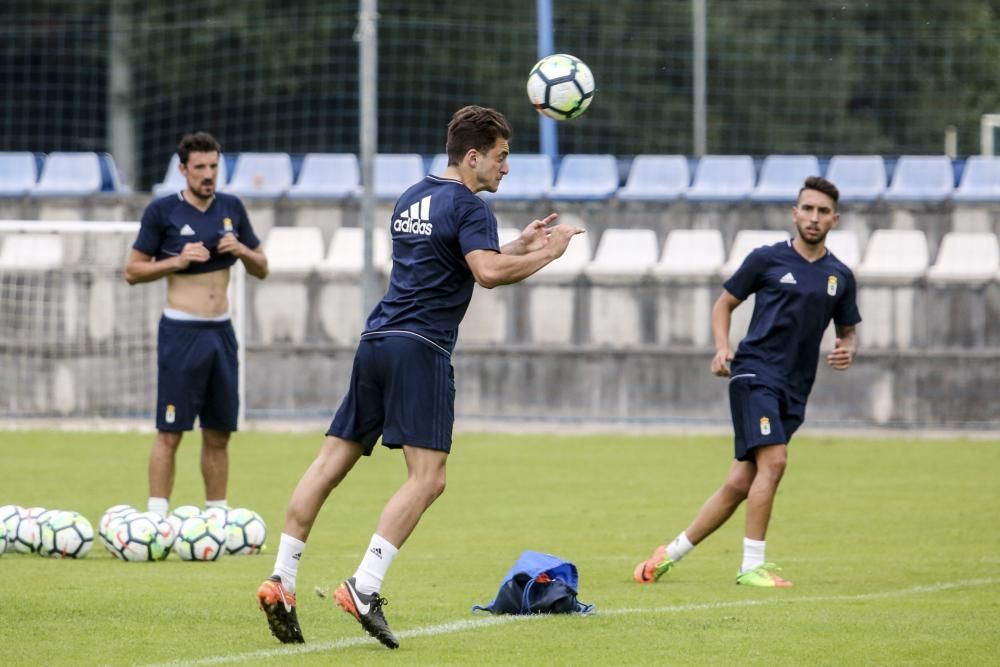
765 426
831 285
227 224
170 414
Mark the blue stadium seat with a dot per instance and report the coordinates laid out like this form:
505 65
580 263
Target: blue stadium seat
327 176
980 180
18 173
69 175
656 178
586 178
530 177
110 179
860 178
438 164
722 178
782 176
395 172
173 179
922 178
261 175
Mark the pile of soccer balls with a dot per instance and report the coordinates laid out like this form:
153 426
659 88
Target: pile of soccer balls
54 533
194 534
190 532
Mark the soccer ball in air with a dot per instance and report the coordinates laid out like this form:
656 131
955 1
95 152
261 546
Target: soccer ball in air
67 535
245 532
561 86
200 538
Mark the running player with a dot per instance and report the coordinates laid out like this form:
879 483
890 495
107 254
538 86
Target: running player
800 286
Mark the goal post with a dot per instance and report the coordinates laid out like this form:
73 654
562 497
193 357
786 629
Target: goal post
77 341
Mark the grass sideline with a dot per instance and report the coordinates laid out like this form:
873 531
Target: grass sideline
893 546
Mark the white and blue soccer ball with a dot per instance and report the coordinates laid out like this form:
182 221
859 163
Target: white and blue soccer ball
27 533
109 522
3 537
142 537
10 515
561 86
246 532
66 535
200 538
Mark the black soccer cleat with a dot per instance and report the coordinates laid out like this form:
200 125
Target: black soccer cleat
279 607
368 610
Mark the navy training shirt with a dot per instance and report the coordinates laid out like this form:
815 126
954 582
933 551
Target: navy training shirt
795 301
170 222
434 225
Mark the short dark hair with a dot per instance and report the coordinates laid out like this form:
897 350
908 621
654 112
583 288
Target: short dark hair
197 142
475 127
820 184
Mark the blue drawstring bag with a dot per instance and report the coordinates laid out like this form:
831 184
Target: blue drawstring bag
538 583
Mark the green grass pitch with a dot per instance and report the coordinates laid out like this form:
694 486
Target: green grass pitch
893 545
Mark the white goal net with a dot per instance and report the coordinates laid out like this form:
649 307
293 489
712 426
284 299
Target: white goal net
75 339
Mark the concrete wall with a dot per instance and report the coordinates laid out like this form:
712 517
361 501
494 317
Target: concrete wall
932 389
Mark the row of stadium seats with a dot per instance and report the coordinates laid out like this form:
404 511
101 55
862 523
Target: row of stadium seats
689 270
649 178
57 174
630 254
663 178
627 291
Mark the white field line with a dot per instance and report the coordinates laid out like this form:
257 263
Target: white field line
489 621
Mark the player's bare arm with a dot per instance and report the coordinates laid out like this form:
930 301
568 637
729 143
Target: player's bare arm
491 269
532 238
844 347
253 259
722 315
143 268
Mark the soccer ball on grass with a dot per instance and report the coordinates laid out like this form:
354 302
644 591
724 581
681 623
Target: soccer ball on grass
142 537
66 535
200 538
245 532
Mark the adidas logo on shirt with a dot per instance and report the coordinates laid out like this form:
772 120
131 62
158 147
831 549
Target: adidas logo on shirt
187 231
788 279
416 220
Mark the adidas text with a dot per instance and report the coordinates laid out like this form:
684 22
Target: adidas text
412 226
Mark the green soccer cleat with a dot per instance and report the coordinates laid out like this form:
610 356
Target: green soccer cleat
657 565
763 576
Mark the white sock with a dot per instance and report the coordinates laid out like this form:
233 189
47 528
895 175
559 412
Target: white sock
753 553
158 505
371 572
217 503
286 565
679 547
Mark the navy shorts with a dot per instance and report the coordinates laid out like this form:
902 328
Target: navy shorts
198 375
402 390
762 415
